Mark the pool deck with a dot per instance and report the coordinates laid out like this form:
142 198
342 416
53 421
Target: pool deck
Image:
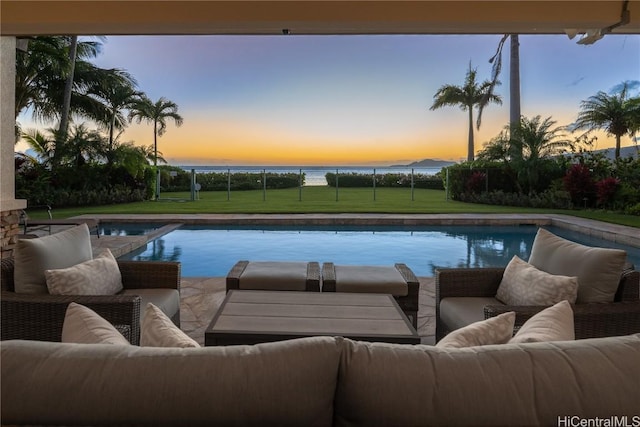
201 296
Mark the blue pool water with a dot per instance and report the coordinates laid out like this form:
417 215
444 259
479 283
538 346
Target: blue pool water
127 229
212 251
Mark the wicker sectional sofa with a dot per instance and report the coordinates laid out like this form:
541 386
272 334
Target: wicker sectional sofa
320 381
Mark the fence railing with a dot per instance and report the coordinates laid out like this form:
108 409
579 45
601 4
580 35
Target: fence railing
231 180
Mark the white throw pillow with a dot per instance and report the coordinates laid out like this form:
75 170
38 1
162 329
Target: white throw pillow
523 284
598 269
496 330
158 330
551 324
99 276
84 326
60 250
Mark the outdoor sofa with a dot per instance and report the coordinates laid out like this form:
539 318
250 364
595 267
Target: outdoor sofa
320 381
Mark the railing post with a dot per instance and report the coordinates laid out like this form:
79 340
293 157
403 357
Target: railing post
228 184
336 185
264 185
374 184
446 186
300 187
412 185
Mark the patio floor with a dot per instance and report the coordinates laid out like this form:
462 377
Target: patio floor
201 297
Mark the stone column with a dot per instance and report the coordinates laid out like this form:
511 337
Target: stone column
9 207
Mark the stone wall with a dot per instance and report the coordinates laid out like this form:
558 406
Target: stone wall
9 231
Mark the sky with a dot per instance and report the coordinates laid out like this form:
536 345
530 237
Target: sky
349 100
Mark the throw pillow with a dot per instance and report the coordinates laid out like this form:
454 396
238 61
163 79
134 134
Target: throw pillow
496 330
551 324
84 326
598 269
99 276
523 284
158 330
60 250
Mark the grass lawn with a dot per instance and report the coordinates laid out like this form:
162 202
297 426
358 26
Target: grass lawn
319 200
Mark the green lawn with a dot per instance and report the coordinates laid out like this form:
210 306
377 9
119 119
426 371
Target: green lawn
319 200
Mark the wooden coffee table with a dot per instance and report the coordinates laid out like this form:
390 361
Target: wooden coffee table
252 317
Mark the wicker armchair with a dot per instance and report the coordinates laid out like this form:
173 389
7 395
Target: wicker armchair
40 316
621 317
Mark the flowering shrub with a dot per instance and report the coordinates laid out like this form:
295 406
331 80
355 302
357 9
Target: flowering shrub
579 184
606 189
477 182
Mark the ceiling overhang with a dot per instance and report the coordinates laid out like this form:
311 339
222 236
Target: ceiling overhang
151 17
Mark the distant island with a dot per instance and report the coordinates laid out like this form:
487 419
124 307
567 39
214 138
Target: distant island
426 163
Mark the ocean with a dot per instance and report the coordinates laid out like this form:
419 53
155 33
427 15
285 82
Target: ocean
314 175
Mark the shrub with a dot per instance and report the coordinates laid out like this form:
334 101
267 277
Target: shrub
476 183
579 184
606 190
391 180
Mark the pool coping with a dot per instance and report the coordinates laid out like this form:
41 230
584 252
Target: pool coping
121 245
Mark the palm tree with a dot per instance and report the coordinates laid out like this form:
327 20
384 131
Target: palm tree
617 114
68 88
156 113
467 97
83 145
41 76
40 144
514 76
536 141
117 92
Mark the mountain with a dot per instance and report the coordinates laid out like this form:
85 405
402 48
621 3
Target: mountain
624 152
427 163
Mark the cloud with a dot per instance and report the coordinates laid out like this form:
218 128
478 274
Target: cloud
576 81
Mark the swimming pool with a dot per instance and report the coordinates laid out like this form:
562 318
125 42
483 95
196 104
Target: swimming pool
210 251
127 229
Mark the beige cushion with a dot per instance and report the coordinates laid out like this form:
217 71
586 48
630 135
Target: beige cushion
551 324
283 383
60 250
370 279
166 299
158 330
598 269
275 276
458 312
499 385
523 284
495 330
84 326
99 276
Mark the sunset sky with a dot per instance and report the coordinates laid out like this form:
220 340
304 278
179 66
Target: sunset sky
348 100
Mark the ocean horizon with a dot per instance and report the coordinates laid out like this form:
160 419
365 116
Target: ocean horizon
314 175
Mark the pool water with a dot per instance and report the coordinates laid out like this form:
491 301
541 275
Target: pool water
127 229
211 251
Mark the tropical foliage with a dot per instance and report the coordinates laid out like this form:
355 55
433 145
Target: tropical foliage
80 160
537 165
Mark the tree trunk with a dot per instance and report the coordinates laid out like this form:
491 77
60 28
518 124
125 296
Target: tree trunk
68 89
111 128
514 86
470 148
155 158
618 146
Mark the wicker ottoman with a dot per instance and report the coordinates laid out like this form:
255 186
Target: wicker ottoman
274 276
398 281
